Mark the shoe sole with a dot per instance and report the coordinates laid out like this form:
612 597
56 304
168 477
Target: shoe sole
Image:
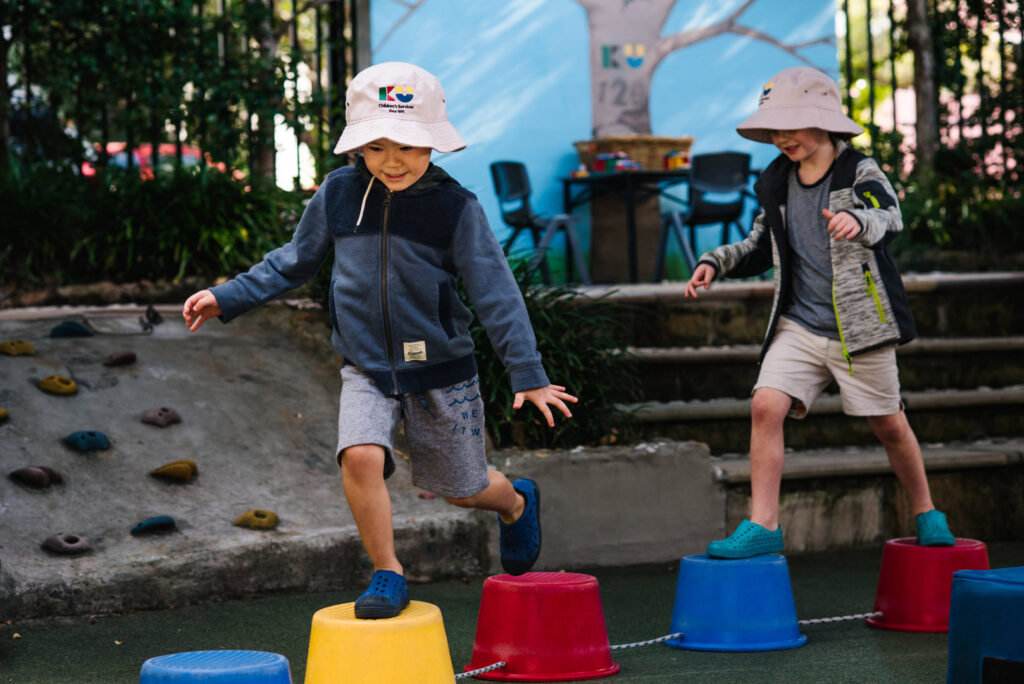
379 612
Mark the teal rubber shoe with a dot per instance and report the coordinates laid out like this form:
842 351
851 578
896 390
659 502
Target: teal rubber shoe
932 529
749 539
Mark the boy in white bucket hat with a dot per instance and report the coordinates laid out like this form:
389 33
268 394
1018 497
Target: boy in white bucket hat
840 309
403 233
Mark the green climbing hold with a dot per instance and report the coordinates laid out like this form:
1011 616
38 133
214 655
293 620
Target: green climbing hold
258 519
87 440
58 384
176 471
70 329
16 347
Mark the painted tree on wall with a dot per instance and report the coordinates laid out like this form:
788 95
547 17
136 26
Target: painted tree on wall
626 48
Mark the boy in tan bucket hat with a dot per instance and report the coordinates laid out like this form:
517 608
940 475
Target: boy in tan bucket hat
839 309
403 233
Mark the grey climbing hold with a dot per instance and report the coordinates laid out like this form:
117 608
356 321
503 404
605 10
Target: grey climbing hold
162 416
87 440
121 358
38 477
70 329
66 544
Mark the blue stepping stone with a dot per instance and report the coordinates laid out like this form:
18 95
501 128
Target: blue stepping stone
87 440
158 523
222 667
70 329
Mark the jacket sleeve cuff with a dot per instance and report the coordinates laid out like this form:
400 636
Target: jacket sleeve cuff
230 304
528 377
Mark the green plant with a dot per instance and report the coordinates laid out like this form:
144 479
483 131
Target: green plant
582 343
59 229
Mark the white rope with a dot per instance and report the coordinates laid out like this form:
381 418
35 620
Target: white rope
636 644
840 618
490 668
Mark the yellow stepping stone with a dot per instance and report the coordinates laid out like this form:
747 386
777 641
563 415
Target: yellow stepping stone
258 519
176 471
58 384
16 347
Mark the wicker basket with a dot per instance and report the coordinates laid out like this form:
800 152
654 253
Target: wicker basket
648 150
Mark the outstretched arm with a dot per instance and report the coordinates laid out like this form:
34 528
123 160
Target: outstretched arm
542 396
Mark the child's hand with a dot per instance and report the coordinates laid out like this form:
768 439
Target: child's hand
841 225
702 275
199 307
542 396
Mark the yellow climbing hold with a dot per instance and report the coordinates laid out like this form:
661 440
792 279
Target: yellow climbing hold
176 471
16 347
58 384
258 519
3 414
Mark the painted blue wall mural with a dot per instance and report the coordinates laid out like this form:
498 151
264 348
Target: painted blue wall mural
527 78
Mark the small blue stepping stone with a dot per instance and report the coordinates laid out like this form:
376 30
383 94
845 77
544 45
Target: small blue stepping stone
158 523
70 329
223 667
87 440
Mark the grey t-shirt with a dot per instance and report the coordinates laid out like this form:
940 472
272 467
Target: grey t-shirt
811 303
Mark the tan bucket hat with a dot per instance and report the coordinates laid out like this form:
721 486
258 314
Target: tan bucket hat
398 101
798 97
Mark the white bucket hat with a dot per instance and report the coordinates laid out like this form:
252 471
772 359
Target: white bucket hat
398 101
798 97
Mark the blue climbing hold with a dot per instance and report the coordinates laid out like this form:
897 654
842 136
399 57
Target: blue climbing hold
87 440
158 523
70 329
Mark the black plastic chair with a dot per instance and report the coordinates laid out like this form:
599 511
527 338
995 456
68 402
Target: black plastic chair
719 173
512 185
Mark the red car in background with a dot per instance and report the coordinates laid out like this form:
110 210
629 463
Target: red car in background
142 159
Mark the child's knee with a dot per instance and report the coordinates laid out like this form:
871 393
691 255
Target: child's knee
462 501
769 406
362 460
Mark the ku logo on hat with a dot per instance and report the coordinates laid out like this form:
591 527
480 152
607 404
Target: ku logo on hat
765 91
390 93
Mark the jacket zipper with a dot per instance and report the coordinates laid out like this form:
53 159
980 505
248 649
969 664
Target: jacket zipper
839 326
384 291
873 291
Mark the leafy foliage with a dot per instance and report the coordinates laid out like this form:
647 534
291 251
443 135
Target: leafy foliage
582 343
60 229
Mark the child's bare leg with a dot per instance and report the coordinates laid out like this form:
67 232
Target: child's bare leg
904 454
500 497
768 409
362 469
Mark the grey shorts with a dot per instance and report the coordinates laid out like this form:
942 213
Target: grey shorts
802 364
444 429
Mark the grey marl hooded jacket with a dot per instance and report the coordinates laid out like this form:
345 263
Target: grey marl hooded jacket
868 297
397 257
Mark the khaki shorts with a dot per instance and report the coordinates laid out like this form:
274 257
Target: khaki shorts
802 364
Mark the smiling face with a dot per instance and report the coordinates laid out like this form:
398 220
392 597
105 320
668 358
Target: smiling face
396 166
804 144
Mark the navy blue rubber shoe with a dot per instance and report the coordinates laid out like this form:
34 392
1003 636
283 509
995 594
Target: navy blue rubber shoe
386 597
520 541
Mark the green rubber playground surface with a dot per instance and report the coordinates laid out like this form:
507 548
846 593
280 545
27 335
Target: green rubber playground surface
637 601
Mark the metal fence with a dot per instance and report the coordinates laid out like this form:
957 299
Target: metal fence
236 79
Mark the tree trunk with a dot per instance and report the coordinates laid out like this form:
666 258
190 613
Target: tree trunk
5 99
919 37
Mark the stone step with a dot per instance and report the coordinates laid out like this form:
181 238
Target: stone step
736 312
936 416
669 373
832 498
